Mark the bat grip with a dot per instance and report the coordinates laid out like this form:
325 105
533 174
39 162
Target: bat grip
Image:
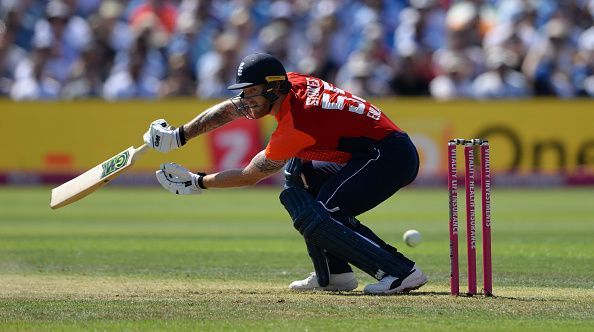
140 150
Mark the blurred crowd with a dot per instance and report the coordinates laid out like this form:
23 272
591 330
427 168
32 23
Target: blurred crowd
484 49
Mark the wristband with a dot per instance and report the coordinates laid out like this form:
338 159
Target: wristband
200 180
182 135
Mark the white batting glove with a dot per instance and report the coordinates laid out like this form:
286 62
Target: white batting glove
163 137
178 180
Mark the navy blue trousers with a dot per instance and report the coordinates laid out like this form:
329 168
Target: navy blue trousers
376 171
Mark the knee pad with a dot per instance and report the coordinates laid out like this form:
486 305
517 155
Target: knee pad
303 209
312 220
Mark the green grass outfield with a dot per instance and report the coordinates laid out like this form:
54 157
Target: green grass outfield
142 259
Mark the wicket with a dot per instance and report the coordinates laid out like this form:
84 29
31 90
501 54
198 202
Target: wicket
469 183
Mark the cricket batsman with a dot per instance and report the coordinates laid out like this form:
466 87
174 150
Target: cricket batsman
342 157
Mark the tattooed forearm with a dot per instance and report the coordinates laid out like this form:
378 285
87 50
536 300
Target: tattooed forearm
210 119
266 165
258 169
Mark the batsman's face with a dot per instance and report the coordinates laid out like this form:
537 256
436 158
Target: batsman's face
257 105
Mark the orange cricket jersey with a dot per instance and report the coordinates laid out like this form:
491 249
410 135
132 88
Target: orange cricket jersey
315 115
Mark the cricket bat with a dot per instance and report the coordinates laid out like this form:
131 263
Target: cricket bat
95 178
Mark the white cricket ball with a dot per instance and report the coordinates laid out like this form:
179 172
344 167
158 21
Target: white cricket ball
412 238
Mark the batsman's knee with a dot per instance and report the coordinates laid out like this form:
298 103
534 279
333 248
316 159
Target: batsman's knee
307 214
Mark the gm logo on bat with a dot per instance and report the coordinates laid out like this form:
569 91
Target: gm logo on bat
115 163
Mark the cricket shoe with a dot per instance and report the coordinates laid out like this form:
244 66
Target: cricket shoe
338 282
391 285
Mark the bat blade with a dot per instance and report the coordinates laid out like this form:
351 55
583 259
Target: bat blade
95 178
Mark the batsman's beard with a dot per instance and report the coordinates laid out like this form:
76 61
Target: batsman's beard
252 110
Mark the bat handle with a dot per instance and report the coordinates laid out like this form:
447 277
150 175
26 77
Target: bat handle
140 150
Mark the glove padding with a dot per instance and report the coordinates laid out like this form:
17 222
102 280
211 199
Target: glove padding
178 180
163 137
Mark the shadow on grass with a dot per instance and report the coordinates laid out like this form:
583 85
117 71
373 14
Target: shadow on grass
360 293
444 294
